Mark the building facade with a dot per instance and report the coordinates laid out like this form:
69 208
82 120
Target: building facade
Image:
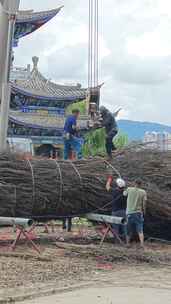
158 140
38 109
38 106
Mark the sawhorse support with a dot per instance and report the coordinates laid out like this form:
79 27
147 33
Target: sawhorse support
21 231
47 225
107 222
107 229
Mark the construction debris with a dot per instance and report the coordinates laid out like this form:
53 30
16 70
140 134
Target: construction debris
45 189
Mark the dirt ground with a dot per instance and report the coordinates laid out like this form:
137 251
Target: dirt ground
73 267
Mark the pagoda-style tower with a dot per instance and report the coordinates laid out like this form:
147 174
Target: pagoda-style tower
38 105
38 108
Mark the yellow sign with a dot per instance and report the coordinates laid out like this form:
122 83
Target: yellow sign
42 112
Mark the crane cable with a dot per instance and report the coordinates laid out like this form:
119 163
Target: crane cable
93 44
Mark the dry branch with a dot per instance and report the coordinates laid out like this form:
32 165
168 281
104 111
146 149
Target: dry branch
49 189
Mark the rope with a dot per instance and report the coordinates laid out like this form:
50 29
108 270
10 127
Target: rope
99 208
61 179
48 217
33 180
113 168
61 190
76 170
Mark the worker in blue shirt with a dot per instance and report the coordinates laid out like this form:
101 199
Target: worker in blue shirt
71 139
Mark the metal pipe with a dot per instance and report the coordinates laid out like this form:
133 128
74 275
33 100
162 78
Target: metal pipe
106 218
4 25
15 221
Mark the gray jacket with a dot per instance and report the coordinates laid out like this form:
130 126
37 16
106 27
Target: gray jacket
109 122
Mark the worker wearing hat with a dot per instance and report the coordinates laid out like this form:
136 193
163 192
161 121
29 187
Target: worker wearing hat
119 202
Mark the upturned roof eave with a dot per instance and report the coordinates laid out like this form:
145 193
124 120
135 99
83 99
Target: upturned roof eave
37 16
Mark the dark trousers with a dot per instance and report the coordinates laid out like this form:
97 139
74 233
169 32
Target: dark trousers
67 224
109 142
120 229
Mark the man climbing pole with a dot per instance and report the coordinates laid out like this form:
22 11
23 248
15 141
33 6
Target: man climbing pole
71 139
109 123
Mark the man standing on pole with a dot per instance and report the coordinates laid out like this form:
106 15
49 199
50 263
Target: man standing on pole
109 123
71 139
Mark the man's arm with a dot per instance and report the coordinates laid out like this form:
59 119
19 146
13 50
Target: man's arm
74 126
144 203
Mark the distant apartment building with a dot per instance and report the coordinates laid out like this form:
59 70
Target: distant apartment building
158 140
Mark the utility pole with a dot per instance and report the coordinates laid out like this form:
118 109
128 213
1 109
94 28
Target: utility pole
8 12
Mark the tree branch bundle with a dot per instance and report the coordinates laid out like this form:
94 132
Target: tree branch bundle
50 189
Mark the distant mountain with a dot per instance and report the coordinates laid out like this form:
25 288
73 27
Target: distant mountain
136 129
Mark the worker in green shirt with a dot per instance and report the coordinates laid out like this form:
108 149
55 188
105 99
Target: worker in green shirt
136 207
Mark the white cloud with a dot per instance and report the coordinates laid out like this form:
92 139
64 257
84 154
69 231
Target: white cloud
135 52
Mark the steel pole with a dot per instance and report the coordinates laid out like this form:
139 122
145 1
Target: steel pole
11 221
9 10
4 24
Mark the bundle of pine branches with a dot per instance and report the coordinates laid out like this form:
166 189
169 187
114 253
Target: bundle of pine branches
50 188
53 189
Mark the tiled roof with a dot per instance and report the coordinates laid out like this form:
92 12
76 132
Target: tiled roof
42 121
29 21
37 120
30 16
40 87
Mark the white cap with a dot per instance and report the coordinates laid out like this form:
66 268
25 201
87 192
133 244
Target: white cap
120 183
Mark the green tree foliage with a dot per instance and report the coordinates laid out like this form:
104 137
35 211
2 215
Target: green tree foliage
95 142
80 105
121 140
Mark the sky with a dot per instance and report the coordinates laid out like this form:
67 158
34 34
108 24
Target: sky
134 48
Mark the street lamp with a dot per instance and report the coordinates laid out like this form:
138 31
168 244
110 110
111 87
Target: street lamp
8 10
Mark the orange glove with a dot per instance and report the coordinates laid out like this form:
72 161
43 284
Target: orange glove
108 184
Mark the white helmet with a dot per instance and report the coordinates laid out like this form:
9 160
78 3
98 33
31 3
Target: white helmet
120 183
